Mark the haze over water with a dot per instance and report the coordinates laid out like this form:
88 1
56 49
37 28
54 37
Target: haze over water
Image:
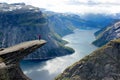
80 41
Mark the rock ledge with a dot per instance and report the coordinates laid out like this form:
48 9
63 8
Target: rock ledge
11 56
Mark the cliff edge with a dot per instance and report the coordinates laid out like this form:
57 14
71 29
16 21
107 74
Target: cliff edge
102 64
11 56
20 22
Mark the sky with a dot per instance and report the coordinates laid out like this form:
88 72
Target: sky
74 6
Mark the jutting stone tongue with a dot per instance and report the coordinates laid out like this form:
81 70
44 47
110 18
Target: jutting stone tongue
11 56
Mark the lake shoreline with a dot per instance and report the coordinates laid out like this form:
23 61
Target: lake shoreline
80 41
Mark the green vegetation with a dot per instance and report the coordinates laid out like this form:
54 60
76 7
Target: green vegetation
58 38
3 72
106 34
101 34
71 28
117 40
32 20
62 49
23 18
100 41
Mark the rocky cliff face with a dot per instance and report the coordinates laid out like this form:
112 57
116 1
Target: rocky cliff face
109 33
20 22
62 23
10 58
102 64
65 23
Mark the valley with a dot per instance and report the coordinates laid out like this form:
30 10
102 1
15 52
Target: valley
77 46
48 70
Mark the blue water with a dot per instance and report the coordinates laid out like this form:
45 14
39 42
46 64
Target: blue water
80 41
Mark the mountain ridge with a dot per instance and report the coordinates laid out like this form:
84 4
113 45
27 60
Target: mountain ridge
108 33
102 64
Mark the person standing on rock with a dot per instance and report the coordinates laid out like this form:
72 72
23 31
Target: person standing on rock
39 36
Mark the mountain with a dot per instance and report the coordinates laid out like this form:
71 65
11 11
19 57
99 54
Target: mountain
102 64
65 23
59 23
20 22
99 20
62 23
108 33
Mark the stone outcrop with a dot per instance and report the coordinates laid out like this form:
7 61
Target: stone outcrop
102 64
11 56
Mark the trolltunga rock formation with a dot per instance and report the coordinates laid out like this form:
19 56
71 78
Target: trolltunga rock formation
11 56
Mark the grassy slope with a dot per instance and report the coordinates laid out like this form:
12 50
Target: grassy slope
98 57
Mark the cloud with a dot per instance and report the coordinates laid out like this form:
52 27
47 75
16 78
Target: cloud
74 6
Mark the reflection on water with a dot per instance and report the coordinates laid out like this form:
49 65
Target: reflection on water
80 41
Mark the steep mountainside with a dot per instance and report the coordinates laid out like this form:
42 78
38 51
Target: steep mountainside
20 22
109 33
100 20
102 64
64 23
59 24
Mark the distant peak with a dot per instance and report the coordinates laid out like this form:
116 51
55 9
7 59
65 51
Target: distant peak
18 4
4 7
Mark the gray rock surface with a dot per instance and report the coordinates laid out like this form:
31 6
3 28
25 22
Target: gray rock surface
109 33
11 56
102 64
